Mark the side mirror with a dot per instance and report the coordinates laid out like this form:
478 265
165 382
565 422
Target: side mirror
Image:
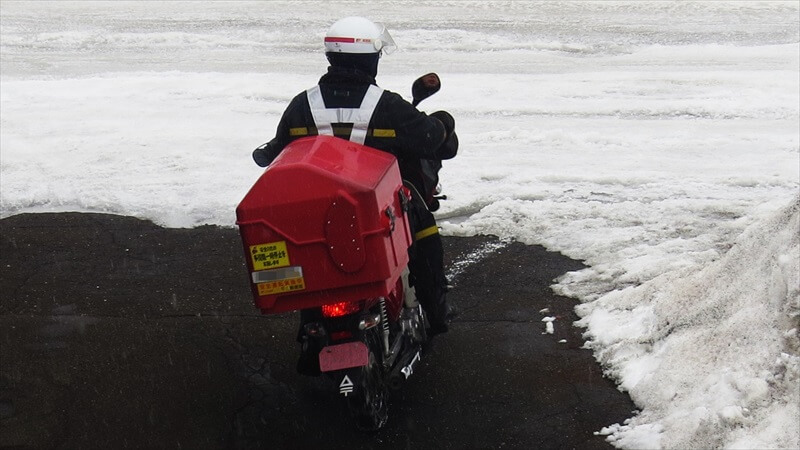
424 87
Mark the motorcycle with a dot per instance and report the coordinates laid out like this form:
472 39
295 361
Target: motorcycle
325 230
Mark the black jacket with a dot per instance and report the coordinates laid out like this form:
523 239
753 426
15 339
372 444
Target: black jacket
396 127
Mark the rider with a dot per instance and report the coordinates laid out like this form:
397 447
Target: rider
348 103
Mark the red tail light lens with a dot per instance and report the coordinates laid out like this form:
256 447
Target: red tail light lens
341 309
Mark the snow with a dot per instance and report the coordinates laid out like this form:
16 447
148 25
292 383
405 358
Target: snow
715 353
656 141
458 267
549 328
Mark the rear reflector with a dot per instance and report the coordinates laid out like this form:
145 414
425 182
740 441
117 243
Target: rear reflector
341 335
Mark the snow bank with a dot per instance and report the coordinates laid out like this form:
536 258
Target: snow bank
713 355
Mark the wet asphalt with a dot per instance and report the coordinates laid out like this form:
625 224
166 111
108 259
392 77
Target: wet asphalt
117 333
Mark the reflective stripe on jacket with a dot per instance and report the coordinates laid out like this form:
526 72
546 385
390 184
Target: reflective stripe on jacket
395 125
325 117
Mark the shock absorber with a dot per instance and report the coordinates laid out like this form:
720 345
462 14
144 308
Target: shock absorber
385 322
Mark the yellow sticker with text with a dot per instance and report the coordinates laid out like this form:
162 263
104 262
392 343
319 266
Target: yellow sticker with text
281 286
269 256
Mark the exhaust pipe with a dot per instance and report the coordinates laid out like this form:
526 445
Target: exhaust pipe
403 369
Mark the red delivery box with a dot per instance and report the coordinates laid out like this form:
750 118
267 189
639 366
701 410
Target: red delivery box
325 223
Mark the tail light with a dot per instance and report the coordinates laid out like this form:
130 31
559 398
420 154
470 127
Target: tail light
341 309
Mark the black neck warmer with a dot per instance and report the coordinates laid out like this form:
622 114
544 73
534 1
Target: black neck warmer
365 62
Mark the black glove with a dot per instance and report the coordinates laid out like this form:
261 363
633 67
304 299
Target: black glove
447 120
263 155
449 147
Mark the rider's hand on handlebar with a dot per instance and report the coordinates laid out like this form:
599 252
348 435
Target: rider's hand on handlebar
447 120
263 155
449 147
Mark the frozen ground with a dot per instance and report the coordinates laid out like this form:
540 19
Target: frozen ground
657 141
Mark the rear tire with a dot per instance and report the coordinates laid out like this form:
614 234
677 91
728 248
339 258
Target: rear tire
369 405
423 325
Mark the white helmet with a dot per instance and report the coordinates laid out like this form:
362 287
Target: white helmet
358 35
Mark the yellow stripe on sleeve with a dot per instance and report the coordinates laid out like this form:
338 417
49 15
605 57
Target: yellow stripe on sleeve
422 234
384 133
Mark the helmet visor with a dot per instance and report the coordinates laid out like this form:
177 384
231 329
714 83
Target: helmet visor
386 42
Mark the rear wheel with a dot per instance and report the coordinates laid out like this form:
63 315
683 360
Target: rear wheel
421 334
369 404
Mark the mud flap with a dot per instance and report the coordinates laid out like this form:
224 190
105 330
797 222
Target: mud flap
348 381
